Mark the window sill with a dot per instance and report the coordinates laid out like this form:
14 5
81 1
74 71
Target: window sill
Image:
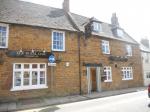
1 47
29 88
128 79
106 53
108 81
129 55
58 50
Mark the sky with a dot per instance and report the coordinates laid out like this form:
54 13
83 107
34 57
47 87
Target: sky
133 15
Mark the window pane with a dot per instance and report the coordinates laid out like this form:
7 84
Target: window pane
26 78
34 65
42 80
26 66
42 65
17 79
42 77
34 78
17 66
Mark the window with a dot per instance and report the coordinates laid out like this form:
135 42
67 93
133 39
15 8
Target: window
105 47
58 41
119 32
107 74
3 35
29 76
97 27
127 73
146 57
148 75
129 50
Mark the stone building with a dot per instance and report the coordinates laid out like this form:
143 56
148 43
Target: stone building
47 51
145 53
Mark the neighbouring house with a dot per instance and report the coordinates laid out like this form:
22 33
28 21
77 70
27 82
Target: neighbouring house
47 51
145 52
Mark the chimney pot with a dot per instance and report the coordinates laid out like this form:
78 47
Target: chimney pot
66 6
114 20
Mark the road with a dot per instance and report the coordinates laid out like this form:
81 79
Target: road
131 102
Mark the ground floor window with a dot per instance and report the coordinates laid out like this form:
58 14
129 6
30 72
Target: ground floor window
148 75
29 76
127 73
107 74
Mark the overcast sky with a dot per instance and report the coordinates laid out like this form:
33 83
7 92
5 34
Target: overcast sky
133 15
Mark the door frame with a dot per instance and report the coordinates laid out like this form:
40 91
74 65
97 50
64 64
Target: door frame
98 79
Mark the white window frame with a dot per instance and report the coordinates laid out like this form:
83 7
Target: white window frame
63 40
108 74
129 50
120 33
30 86
7 34
126 76
97 27
105 44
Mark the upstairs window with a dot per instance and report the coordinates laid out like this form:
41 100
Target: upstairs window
129 50
120 33
97 27
58 41
3 35
105 47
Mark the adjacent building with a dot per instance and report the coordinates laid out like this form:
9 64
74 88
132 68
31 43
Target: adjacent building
145 52
46 51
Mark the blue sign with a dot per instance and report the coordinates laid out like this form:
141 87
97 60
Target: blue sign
51 58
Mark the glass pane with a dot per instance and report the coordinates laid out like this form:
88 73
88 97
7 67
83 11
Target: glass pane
26 74
34 65
17 66
3 29
34 78
17 79
42 73
26 82
42 80
26 78
42 65
26 66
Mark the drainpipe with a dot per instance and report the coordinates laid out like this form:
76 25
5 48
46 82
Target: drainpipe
79 58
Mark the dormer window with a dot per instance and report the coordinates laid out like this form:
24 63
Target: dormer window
120 33
96 27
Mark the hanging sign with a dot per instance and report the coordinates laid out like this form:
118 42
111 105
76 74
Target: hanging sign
51 60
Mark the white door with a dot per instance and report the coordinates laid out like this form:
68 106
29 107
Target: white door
147 78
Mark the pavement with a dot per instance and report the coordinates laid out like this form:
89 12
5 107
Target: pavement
44 101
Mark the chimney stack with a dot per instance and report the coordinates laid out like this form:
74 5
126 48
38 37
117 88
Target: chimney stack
66 6
114 20
145 42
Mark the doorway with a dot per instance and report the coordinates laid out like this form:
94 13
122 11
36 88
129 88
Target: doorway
93 79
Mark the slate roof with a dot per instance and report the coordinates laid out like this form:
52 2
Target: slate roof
144 48
20 12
